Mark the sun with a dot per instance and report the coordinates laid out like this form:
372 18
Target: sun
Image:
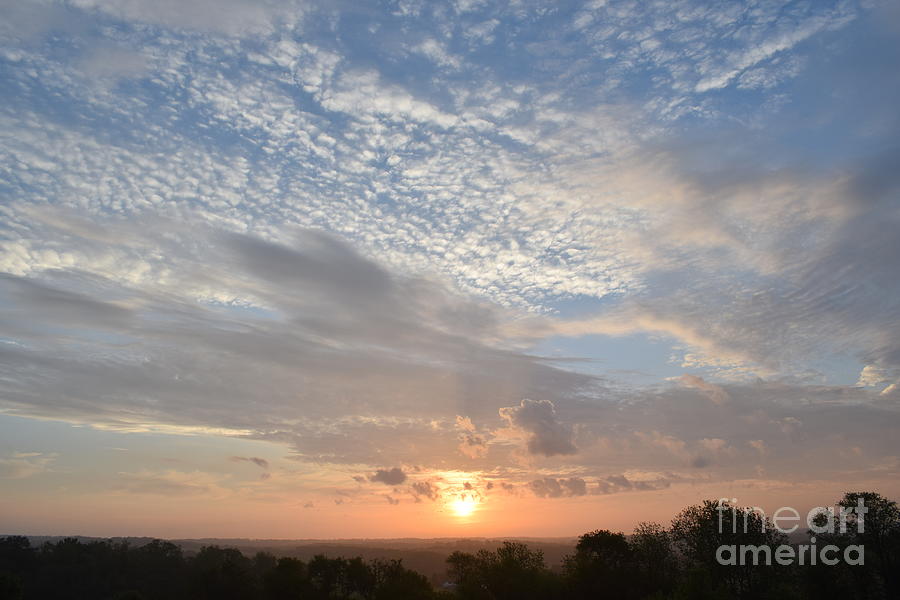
463 506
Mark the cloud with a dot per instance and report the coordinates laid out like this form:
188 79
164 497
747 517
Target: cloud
714 392
181 355
282 242
171 483
739 62
620 483
716 446
700 462
549 487
547 435
301 316
393 476
111 62
64 306
259 462
426 489
871 375
760 447
471 443
747 337
230 17
29 20
22 465
631 319
671 444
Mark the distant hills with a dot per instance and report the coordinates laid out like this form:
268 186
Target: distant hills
424 555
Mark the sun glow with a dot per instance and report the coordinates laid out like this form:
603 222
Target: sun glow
463 506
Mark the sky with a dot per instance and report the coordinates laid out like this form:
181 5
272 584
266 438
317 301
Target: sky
466 268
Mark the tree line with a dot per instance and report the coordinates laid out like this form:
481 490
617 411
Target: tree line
654 563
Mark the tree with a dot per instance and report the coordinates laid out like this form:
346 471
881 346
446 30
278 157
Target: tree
601 567
396 582
879 532
221 574
288 580
700 531
340 578
512 571
158 569
17 561
655 563
10 587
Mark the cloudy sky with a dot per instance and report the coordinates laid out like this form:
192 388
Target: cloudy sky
409 268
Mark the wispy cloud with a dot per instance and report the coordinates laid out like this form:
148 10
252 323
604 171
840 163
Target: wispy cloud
21 465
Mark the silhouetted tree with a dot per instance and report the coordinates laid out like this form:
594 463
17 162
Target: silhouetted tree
158 569
655 563
340 578
10 587
17 560
396 582
16 554
289 580
879 533
509 572
221 574
699 531
602 567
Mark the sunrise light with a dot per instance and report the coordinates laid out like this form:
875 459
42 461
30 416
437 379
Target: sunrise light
464 506
530 295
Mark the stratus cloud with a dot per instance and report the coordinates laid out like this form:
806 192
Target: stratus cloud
300 316
547 436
